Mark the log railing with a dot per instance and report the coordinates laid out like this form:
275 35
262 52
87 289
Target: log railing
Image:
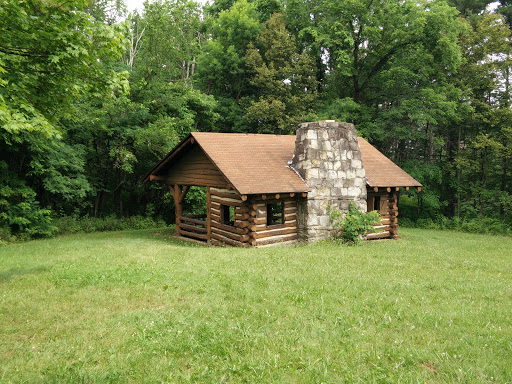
192 226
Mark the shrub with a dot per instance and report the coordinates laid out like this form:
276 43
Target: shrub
351 227
86 224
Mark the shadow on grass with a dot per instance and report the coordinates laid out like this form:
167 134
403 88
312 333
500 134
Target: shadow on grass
11 273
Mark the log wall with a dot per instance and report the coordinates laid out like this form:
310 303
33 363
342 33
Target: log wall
222 234
250 221
388 227
195 168
262 234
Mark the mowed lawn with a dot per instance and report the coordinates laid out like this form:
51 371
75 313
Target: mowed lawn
138 306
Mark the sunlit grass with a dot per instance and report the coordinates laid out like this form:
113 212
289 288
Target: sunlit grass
140 307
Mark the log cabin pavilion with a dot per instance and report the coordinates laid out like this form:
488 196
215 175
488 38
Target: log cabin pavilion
270 189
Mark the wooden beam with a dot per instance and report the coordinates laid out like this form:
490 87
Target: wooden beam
406 188
292 194
244 197
375 189
227 195
264 197
419 189
157 178
192 234
397 189
304 194
278 196
193 228
179 207
184 193
208 215
388 189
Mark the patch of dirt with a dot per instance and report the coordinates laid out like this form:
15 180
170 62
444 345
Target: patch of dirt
429 366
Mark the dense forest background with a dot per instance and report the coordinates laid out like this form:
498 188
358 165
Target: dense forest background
92 97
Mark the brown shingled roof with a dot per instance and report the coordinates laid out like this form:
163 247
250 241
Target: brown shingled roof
253 163
258 164
381 171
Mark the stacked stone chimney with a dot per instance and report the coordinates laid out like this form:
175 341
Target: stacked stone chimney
328 158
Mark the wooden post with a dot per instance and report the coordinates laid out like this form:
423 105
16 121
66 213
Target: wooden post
208 216
393 213
178 206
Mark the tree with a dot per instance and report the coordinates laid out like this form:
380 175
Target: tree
50 54
284 80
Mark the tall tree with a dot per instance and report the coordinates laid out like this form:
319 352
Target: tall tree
50 54
284 80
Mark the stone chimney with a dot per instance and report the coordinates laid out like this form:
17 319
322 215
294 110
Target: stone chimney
328 158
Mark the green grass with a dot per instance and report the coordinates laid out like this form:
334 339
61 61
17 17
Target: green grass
137 306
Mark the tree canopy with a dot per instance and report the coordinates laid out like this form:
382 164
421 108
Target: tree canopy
91 97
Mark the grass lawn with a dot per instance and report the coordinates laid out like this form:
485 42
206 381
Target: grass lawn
137 306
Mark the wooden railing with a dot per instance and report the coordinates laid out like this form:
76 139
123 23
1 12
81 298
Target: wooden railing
191 226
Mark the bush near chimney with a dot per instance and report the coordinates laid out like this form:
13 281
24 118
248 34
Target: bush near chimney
354 225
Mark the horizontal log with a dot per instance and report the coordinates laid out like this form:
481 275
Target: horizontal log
274 232
193 228
190 220
257 221
263 226
228 241
157 178
229 228
227 195
382 235
243 223
193 235
195 171
229 202
278 239
385 228
189 180
243 216
202 216
229 234
393 213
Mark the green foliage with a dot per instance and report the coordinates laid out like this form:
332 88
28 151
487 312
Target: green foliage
75 224
283 78
483 225
90 102
20 212
352 226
